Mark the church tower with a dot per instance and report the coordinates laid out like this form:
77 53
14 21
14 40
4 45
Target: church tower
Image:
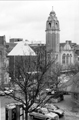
52 33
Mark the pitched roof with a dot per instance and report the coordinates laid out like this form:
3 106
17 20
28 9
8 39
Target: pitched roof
74 46
22 49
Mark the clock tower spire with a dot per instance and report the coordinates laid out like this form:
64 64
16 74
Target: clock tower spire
52 33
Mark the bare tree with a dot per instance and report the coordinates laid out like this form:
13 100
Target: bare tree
28 76
75 78
74 68
55 74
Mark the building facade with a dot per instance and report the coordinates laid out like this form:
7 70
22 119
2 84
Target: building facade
66 53
52 36
4 76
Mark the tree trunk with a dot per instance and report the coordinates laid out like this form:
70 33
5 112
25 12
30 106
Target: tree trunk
26 114
56 86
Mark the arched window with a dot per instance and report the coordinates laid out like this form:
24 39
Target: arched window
67 59
70 58
0 53
63 58
50 24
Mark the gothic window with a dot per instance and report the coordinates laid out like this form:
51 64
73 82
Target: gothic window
56 24
70 58
63 58
67 58
50 24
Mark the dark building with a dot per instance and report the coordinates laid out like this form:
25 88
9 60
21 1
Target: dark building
39 49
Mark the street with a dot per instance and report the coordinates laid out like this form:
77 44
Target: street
69 118
66 118
66 105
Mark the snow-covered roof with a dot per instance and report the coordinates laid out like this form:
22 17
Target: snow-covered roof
22 49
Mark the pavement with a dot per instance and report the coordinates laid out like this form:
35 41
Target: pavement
69 107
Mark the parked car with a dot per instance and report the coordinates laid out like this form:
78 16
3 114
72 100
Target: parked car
8 91
2 93
48 89
42 113
59 95
66 93
55 109
33 107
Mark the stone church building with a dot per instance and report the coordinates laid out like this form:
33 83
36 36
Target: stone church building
66 53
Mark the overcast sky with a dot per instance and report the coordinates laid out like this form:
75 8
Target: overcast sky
27 19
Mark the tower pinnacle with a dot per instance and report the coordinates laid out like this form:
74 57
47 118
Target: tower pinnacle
52 8
52 32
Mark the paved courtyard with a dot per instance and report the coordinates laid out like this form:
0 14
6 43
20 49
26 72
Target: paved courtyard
69 108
